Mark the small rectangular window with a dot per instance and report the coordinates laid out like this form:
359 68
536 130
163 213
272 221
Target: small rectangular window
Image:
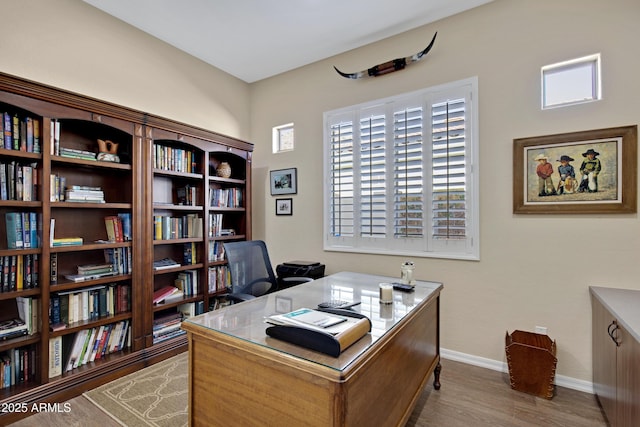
283 139
571 82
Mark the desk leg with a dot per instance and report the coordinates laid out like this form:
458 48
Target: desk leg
436 376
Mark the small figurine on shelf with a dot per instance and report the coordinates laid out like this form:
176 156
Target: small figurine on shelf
108 151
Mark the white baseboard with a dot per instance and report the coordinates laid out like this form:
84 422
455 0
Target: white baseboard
561 380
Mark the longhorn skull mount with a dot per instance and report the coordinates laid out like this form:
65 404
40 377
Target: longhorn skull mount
389 66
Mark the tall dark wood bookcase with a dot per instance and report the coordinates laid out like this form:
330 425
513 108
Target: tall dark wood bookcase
167 171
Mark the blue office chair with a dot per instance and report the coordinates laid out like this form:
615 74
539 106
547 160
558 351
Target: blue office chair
251 271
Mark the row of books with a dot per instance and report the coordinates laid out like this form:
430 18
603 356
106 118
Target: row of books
167 326
184 285
118 227
57 183
21 134
225 197
191 309
120 258
18 181
174 159
187 282
23 229
216 251
187 195
92 272
215 226
72 351
167 227
19 366
219 278
19 272
74 153
88 304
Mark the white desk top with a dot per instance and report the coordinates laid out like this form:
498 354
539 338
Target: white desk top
624 304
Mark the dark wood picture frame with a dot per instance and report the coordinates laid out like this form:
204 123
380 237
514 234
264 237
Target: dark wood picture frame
284 181
610 188
284 206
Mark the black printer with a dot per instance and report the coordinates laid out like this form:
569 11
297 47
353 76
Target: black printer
312 269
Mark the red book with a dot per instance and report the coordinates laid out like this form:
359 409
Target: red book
162 293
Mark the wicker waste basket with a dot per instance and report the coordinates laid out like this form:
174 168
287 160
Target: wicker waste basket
532 363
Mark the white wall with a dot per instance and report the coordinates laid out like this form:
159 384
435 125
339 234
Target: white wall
534 270
72 45
525 276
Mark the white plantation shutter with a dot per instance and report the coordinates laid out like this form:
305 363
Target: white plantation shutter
401 177
373 183
448 145
341 181
408 161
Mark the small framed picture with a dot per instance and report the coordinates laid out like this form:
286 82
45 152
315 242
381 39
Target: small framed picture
284 206
284 181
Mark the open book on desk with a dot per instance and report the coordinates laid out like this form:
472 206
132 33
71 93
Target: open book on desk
329 332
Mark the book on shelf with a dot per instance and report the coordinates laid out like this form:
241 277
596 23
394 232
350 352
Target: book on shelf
190 254
114 227
18 272
58 185
186 195
67 241
76 193
55 137
60 326
29 312
167 294
191 309
76 154
167 326
92 269
55 356
13 222
165 263
84 277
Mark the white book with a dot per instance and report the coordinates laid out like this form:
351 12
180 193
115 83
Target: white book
114 337
77 348
55 357
85 305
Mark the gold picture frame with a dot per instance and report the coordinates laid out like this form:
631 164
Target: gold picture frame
603 162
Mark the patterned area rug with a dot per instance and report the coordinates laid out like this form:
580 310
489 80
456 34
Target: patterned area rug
155 396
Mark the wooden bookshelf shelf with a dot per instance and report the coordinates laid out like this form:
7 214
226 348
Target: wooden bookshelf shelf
165 169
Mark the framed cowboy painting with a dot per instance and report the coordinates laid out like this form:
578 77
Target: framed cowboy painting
587 172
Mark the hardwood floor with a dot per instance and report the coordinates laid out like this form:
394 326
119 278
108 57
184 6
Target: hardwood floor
469 396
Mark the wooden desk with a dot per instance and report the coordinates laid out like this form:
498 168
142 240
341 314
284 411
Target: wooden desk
240 376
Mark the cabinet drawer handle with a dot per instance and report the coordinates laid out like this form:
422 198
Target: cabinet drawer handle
612 331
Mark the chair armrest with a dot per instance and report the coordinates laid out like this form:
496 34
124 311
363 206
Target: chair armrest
239 297
293 280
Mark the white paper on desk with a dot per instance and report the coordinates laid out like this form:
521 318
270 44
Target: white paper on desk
313 318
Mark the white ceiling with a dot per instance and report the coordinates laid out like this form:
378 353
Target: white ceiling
256 39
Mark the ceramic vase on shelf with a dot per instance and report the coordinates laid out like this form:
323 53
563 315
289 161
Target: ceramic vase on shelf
223 170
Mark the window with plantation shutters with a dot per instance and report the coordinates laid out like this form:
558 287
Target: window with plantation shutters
401 174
